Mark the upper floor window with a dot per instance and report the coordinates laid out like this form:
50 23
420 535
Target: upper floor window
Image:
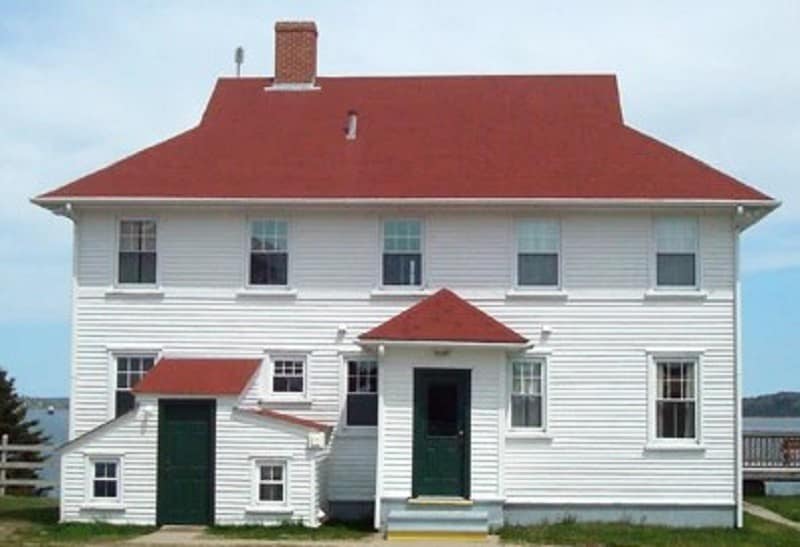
402 252
130 370
288 376
676 252
269 252
676 398
538 244
527 393
137 251
362 392
105 479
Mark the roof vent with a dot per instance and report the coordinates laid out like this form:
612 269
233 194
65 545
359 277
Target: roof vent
352 125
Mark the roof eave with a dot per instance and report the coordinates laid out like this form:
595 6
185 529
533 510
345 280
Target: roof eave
509 346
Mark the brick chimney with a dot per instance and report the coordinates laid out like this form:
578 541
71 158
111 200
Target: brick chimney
295 52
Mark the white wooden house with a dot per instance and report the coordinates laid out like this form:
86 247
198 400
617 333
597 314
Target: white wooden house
442 303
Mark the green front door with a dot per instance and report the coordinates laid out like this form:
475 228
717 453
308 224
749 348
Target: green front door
185 462
441 433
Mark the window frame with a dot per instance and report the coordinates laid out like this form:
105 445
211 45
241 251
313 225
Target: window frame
516 226
653 361
255 494
655 252
286 395
89 497
545 395
422 256
118 249
113 355
346 359
248 253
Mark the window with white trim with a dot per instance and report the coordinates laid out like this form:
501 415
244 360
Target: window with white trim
527 393
269 252
137 252
538 247
362 392
402 252
676 398
288 376
271 482
130 370
676 241
105 479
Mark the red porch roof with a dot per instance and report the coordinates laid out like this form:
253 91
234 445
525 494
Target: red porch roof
198 377
289 418
444 317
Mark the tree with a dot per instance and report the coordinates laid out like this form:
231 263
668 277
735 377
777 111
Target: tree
19 429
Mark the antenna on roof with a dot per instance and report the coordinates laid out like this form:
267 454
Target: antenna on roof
238 58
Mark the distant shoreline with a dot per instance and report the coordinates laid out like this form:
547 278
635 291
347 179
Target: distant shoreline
58 403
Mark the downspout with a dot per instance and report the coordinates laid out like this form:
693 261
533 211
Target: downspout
737 340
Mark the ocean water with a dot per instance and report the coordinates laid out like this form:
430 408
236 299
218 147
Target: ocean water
56 427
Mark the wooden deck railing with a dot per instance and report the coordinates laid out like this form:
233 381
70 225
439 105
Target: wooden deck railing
770 450
9 464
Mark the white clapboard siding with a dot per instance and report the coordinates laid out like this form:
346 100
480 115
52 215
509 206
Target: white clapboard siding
397 388
134 442
240 439
597 361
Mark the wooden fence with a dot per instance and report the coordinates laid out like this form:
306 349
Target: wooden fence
9 464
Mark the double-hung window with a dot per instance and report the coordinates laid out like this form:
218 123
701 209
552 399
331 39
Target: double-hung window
676 399
130 370
538 244
271 482
269 252
362 392
288 377
105 480
137 252
527 393
402 252
676 252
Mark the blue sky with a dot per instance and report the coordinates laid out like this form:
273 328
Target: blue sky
85 83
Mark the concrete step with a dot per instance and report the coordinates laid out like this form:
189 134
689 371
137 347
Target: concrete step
437 523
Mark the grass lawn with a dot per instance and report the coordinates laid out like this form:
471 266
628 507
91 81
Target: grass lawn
756 533
328 531
30 520
787 506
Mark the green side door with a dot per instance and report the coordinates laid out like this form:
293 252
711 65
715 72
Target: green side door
185 462
441 433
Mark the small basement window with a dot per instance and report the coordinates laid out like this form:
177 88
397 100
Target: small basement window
271 482
105 483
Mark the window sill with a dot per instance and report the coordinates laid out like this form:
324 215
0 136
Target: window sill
675 294
399 292
102 506
144 292
674 447
356 432
267 292
269 509
288 401
521 434
538 294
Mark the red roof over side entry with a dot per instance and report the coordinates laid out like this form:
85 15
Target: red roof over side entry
444 317
198 377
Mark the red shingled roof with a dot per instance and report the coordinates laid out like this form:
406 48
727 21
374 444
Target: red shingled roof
444 317
503 137
289 418
198 376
